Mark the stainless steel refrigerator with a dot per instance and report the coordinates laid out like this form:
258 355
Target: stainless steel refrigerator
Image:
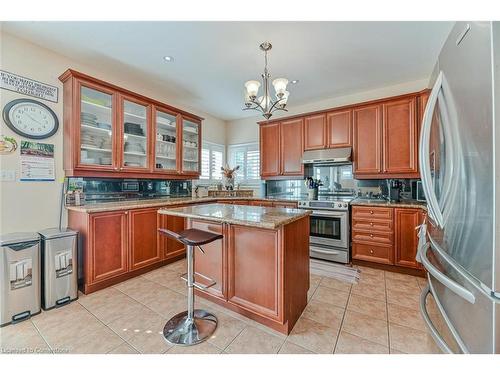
460 167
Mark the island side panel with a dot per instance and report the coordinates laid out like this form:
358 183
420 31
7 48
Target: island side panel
255 270
297 278
211 264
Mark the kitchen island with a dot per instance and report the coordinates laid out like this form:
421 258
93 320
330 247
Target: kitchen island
260 267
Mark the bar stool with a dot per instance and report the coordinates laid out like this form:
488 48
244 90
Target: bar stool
191 327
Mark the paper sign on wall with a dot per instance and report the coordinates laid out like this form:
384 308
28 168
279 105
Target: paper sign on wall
27 86
37 161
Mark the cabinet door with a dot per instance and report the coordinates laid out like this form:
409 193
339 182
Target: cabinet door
400 136
292 147
340 128
142 236
212 264
170 248
270 150
107 246
135 134
254 270
406 240
166 140
367 132
96 143
191 147
315 132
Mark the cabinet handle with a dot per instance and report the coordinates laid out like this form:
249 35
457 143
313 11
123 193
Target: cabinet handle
371 251
126 212
371 212
371 224
371 235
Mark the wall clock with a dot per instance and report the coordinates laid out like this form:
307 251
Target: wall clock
30 118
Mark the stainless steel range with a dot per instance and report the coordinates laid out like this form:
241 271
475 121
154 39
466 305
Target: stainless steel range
329 233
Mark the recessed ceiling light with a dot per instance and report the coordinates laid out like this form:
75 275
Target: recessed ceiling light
168 58
295 81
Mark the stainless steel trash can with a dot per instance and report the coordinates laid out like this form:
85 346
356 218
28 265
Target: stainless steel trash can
19 277
59 268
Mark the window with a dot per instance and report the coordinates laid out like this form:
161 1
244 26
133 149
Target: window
212 159
247 156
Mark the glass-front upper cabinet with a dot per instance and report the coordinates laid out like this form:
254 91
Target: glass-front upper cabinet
190 147
96 128
165 149
135 134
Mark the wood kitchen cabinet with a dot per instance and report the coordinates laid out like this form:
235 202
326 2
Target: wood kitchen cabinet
399 137
143 234
270 149
315 132
258 269
260 273
292 147
113 132
367 142
386 139
339 128
406 240
386 235
107 246
118 245
281 148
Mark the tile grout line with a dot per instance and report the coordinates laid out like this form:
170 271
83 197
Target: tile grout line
342 321
387 314
42 336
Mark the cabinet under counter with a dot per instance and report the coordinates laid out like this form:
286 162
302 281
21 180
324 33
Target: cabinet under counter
261 266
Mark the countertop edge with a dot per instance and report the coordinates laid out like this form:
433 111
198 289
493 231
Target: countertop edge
263 225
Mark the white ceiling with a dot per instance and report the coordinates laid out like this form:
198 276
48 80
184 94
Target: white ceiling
212 60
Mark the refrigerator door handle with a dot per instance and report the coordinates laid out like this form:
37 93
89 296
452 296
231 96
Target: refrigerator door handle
424 161
442 278
432 329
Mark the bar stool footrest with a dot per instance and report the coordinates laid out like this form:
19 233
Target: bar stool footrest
199 286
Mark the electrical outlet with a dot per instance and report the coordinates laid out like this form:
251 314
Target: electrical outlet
8 175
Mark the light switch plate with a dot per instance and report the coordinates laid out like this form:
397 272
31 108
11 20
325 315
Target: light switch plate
8 175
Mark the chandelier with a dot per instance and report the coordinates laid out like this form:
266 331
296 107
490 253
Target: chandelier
265 103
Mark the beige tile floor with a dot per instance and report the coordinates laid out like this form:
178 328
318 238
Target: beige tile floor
377 315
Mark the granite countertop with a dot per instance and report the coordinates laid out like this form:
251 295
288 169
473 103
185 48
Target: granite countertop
401 204
161 202
254 216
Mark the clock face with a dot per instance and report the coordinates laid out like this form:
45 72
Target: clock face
30 118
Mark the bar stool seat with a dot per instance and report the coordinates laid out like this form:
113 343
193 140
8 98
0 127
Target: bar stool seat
192 237
192 326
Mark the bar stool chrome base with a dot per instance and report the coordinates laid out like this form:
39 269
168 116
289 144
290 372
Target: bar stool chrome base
180 330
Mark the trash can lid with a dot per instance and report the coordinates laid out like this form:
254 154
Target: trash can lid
50 233
18 237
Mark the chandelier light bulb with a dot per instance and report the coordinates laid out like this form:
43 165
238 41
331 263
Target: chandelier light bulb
280 86
252 88
283 99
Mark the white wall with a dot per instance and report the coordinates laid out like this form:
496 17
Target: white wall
30 206
246 130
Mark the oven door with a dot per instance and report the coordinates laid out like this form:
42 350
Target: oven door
329 228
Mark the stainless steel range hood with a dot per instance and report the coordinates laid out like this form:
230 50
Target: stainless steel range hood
328 156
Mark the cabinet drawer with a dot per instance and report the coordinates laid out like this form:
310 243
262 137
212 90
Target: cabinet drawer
372 212
371 253
372 237
372 225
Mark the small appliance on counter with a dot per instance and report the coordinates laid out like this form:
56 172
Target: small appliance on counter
59 267
394 189
417 192
19 277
